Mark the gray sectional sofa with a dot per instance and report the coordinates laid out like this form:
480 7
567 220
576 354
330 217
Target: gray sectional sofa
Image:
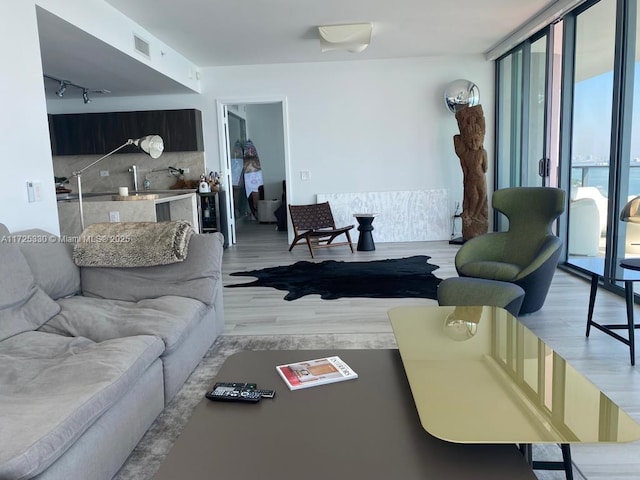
90 356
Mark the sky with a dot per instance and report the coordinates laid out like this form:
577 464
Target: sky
592 116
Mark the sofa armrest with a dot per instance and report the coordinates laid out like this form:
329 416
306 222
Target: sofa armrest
197 277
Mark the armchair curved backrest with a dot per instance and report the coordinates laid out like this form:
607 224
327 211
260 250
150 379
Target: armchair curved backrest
526 254
531 212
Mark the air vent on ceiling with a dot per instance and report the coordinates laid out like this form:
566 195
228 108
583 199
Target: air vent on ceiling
141 46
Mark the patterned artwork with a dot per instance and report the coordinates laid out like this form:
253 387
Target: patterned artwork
404 216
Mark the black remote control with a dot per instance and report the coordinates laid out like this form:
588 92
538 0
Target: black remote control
267 393
234 392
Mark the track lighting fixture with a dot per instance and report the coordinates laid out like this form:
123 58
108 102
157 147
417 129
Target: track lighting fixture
62 89
63 84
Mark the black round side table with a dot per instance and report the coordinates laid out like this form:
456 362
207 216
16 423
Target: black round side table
365 240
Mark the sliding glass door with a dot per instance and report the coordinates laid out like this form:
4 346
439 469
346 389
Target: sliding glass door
509 119
580 108
525 155
590 159
536 168
628 239
605 117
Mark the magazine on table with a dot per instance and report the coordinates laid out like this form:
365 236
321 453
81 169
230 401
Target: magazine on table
315 372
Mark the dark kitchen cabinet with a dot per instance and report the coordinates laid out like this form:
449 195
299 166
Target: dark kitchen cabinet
100 133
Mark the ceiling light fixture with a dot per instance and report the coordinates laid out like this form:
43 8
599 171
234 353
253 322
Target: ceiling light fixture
63 84
62 89
353 37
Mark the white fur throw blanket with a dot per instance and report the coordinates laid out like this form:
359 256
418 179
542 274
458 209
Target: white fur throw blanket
134 244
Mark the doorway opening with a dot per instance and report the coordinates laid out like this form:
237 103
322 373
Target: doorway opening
254 152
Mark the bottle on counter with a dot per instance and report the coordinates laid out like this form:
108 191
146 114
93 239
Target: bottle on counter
204 185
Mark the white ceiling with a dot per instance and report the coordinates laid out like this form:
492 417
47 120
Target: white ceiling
69 53
243 32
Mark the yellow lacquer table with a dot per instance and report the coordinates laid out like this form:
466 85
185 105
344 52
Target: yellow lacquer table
478 375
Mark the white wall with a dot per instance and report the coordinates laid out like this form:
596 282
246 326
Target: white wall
25 152
357 126
378 125
360 126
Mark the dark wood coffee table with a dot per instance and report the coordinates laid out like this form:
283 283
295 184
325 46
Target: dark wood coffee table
364 428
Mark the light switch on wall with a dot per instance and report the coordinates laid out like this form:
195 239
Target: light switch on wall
34 191
305 175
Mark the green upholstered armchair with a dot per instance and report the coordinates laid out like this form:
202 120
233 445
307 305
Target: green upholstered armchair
527 254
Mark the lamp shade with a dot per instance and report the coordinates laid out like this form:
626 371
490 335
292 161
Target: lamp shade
151 145
352 37
631 211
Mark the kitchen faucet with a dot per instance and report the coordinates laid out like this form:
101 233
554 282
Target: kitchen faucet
134 171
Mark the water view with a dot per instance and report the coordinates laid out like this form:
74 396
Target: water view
598 176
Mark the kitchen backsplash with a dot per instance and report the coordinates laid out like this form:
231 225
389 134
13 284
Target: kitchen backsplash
117 166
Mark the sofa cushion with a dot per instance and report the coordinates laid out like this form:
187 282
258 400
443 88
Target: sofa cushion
23 305
196 277
52 388
169 318
51 262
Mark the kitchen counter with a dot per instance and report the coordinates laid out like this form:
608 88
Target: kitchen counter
163 195
100 207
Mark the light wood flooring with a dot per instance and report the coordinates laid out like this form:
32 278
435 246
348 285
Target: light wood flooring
560 323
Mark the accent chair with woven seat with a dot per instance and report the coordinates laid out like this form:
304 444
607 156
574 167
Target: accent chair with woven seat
314 226
527 254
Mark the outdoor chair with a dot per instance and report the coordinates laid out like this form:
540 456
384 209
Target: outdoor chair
314 225
527 254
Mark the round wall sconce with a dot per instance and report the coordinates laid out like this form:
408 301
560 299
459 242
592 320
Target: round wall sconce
460 94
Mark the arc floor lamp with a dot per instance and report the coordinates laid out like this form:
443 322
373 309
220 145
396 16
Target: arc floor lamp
152 145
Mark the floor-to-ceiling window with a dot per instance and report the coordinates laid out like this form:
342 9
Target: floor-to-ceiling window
509 125
524 79
593 44
630 150
604 143
522 114
535 162
598 136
